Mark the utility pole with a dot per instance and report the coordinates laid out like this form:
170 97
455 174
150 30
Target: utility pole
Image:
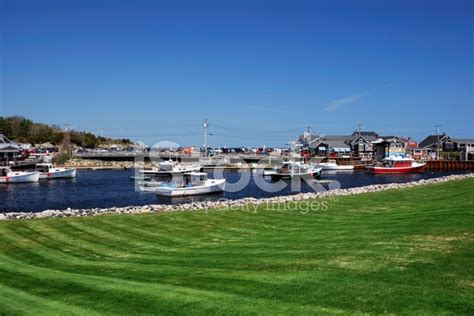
359 128
67 140
437 142
205 125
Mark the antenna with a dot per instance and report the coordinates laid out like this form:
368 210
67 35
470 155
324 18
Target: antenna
205 125
437 142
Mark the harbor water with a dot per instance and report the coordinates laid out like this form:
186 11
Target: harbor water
114 188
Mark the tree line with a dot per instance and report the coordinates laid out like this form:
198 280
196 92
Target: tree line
24 130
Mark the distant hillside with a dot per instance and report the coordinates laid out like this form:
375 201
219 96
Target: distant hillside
24 130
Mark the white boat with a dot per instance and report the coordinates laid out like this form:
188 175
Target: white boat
170 168
149 185
193 183
47 171
332 165
9 176
292 169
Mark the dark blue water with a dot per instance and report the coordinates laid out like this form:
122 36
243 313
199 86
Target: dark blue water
104 188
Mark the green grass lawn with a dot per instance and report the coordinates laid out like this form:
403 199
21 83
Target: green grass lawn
403 251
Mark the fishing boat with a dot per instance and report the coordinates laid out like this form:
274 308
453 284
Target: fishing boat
150 185
291 170
397 165
192 183
170 168
9 176
332 165
47 171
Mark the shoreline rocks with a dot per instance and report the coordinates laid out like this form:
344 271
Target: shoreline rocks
98 164
224 203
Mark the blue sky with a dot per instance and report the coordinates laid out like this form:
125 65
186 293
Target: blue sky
259 71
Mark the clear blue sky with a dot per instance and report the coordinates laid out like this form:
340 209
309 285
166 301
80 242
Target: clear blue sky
153 70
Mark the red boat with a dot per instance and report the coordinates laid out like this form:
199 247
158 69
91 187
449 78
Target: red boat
397 165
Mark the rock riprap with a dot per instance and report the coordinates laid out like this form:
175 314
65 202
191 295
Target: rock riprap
244 203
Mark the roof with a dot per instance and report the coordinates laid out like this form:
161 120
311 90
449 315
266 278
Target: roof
394 139
368 133
4 139
432 140
8 148
334 141
367 138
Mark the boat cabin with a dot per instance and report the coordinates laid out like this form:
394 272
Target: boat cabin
292 167
397 163
43 167
194 178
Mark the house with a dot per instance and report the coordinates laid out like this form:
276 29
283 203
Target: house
389 146
434 144
326 145
361 144
8 150
465 146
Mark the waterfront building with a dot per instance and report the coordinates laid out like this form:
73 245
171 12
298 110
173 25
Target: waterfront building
8 150
389 146
465 147
435 145
362 145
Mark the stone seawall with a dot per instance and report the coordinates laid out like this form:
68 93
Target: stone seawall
200 206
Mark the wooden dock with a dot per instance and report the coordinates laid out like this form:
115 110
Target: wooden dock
449 165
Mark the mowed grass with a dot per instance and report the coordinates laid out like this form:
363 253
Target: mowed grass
401 251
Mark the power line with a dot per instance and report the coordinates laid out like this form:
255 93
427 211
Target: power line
143 128
242 130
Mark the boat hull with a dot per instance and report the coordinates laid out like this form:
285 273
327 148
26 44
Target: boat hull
384 170
168 172
58 174
338 167
316 173
213 186
20 177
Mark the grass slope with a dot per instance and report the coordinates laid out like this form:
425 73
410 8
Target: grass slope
405 251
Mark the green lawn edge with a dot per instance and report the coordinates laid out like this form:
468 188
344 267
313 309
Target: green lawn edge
404 251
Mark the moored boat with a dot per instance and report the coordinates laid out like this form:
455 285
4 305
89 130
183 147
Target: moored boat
47 171
193 183
397 165
332 165
170 168
291 170
9 176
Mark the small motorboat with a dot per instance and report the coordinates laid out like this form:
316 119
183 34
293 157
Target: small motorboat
332 165
170 168
47 171
192 183
9 176
397 165
291 170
